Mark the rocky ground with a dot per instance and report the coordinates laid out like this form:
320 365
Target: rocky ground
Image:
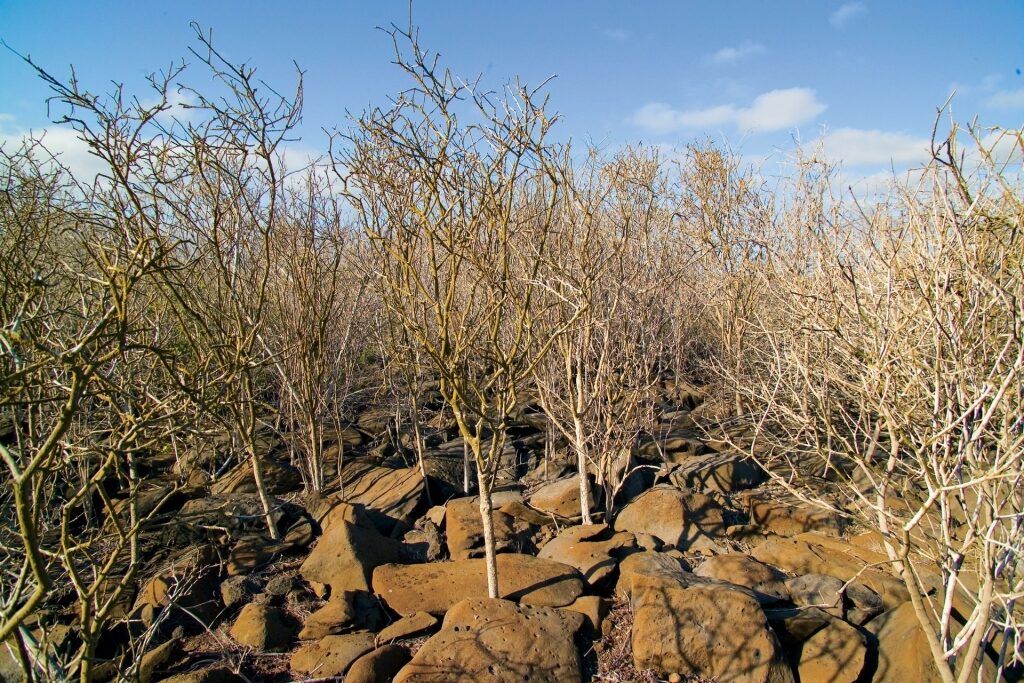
705 573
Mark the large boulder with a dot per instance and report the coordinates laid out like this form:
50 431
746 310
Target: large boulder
407 627
263 627
345 556
464 529
561 498
835 654
379 666
723 472
903 652
390 496
434 588
791 519
332 655
674 516
496 641
816 554
278 478
691 626
768 583
592 549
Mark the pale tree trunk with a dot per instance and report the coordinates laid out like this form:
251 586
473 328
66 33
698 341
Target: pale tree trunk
465 467
490 552
581 460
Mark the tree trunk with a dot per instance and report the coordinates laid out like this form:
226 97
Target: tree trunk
465 467
488 523
581 463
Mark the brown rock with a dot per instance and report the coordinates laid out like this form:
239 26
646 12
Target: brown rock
527 515
335 617
389 495
723 472
332 655
155 659
835 654
263 627
800 556
214 674
497 641
903 652
412 625
560 497
278 478
817 590
674 516
767 582
594 609
346 555
379 666
465 530
434 588
589 548
789 519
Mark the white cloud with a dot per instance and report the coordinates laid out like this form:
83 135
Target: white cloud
617 34
62 142
856 147
846 13
731 55
773 110
1006 99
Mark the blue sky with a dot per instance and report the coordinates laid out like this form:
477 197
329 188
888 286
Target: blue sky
867 75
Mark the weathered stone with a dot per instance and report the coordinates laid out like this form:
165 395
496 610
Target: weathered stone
332 655
674 516
674 447
236 590
497 641
263 627
903 652
465 531
250 554
835 654
527 515
189 586
593 608
334 617
406 627
639 567
390 496
379 666
815 554
767 582
723 472
434 588
589 548
345 556
423 544
710 630
817 590
278 478
214 674
560 497
791 519
863 605
156 659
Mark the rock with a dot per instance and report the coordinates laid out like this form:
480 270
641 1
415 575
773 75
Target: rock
497 641
674 447
434 588
817 590
213 674
785 519
224 518
337 616
423 544
390 496
708 630
250 554
808 555
189 586
278 478
560 497
835 654
280 585
407 627
593 608
465 531
723 472
527 515
263 627
863 604
903 652
236 590
345 556
636 569
767 582
795 626
674 516
155 659
590 548
378 666
330 656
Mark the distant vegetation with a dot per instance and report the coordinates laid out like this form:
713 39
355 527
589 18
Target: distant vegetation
868 354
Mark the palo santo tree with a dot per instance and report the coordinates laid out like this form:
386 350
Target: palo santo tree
459 215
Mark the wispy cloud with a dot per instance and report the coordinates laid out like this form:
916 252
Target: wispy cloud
846 13
731 55
60 142
1006 99
617 34
856 147
773 110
